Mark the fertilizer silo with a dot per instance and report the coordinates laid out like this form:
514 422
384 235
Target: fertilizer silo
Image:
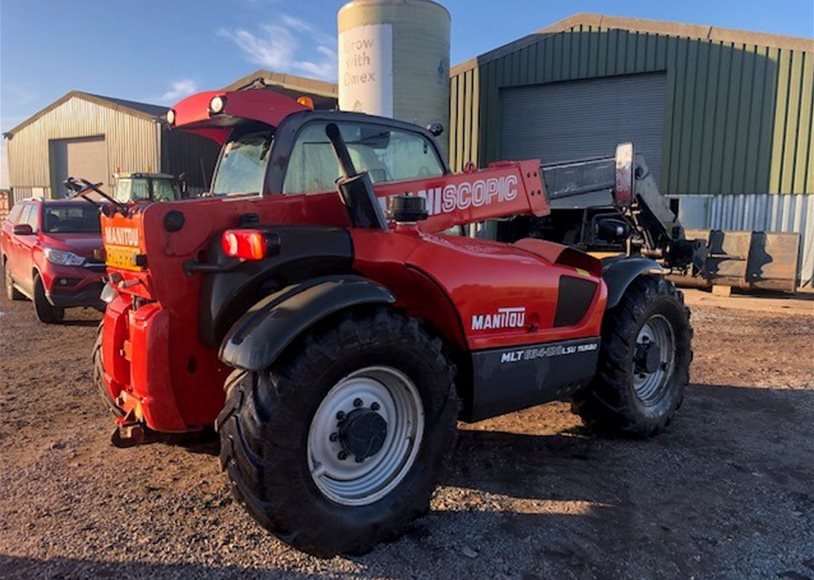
394 60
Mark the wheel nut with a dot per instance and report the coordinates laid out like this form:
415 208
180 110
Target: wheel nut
375 407
333 436
359 459
357 403
342 455
340 415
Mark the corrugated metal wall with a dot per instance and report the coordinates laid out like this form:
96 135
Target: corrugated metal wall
738 120
759 213
191 155
132 142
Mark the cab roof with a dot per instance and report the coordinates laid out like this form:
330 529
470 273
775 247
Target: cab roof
193 114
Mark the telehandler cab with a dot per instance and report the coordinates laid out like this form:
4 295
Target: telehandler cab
334 345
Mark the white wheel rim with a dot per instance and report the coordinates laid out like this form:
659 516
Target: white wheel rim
388 393
650 385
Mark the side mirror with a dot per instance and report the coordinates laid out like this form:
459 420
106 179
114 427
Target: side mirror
623 191
22 230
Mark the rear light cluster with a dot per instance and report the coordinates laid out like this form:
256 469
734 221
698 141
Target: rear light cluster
247 244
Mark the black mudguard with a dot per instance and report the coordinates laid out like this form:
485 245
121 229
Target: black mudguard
306 252
619 272
263 333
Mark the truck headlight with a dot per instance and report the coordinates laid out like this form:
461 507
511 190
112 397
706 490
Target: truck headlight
63 258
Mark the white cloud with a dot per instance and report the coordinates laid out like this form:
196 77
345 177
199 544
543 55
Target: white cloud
279 47
178 90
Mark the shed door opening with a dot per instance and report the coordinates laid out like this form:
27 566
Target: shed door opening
570 120
84 157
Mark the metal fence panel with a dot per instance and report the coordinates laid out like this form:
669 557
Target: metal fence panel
756 212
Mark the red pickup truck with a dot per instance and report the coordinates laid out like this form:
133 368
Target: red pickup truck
47 251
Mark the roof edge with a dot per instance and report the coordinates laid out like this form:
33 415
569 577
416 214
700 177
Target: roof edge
705 31
97 100
288 81
700 31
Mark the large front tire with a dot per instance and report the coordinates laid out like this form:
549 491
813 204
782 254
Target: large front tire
336 446
45 311
644 362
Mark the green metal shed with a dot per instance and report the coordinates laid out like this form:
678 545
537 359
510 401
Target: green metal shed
724 111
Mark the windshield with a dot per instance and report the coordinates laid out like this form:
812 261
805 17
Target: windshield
72 219
242 165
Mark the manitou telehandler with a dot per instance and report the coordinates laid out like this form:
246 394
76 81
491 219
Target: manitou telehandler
334 345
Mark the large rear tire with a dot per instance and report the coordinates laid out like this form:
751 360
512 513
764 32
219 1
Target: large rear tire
11 292
336 446
45 311
644 362
99 374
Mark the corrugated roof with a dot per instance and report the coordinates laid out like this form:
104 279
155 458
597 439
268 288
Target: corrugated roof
153 110
662 27
288 82
143 110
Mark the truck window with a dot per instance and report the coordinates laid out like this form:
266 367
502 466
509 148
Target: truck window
74 218
14 214
387 154
32 218
26 214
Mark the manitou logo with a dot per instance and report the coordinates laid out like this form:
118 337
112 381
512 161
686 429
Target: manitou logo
468 194
117 236
504 318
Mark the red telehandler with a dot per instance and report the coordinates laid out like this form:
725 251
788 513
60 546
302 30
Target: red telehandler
334 344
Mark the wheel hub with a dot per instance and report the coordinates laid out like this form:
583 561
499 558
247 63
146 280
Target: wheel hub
653 359
362 433
647 357
365 435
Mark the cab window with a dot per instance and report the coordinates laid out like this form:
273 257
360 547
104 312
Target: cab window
163 190
242 166
387 154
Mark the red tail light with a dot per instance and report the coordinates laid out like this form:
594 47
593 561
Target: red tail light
245 244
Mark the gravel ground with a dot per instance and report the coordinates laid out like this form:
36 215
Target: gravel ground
726 492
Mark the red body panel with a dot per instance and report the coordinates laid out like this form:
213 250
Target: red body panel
155 361
506 277
267 107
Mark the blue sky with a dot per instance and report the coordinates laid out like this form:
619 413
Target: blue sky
160 51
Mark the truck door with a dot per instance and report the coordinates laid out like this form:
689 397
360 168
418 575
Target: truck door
15 245
25 247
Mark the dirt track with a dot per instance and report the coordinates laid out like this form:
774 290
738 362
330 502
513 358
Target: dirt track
728 491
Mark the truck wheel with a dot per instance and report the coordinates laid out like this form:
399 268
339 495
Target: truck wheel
644 362
98 375
336 446
45 311
11 292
